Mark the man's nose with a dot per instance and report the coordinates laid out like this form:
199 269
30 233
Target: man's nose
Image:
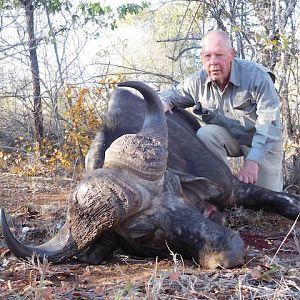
214 59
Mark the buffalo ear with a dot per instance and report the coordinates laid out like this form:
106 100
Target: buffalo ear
186 177
204 188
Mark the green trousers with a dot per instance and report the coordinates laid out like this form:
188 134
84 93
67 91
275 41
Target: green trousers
220 142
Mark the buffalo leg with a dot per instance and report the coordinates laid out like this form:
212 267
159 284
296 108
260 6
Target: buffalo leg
99 250
255 197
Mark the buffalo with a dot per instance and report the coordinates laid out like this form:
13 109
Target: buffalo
152 186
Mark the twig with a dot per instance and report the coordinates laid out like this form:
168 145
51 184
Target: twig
285 238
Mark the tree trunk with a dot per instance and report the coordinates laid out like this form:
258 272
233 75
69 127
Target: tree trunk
54 97
34 65
297 170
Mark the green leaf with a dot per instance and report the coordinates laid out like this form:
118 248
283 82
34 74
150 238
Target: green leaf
54 6
130 8
75 18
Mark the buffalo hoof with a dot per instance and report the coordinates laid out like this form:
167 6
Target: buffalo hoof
100 250
292 190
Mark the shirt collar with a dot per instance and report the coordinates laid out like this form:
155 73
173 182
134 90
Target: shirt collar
234 73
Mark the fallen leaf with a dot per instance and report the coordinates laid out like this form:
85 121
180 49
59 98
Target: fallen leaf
174 276
60 290
9 285
229 275
48 294
76 294
259 274
255 274
48 283
267 278
4 252
99 290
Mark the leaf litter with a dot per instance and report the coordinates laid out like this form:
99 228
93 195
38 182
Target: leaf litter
271 269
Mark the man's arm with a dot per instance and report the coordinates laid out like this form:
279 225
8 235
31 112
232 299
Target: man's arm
182 95
167 107
268 128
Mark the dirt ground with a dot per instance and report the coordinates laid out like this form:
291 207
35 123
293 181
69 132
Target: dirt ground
36 209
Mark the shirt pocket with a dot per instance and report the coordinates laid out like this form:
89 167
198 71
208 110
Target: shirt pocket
210 104
248 106
245 110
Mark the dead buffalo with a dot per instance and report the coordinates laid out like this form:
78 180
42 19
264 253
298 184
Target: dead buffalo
151 186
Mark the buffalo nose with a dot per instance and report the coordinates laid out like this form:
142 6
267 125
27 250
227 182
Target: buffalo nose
230 253
234 256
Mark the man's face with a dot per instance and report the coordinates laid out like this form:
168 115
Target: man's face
216 58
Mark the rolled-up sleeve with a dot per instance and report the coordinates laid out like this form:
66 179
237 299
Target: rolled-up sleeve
268 125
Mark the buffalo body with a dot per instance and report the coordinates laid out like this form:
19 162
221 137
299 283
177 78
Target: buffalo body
152 186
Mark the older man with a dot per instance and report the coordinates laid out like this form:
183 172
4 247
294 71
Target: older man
238 102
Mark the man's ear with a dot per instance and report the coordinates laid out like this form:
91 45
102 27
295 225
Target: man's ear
233 52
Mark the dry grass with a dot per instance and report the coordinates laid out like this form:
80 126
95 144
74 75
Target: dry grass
271 271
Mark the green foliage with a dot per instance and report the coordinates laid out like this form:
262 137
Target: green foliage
89 11
131 8
94 12
3 5
7 4
56 6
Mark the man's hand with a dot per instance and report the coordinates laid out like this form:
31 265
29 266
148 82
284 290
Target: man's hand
249 171
167 107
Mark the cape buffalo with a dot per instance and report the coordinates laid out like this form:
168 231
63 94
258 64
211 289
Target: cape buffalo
152 186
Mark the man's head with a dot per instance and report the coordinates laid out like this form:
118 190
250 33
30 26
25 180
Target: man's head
217 55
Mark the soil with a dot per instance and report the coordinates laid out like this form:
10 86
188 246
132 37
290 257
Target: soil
36 208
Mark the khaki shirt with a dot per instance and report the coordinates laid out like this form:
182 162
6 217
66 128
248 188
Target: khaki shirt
248 107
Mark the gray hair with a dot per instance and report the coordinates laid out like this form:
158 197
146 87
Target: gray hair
221 33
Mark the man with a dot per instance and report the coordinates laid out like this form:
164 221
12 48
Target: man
237 100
